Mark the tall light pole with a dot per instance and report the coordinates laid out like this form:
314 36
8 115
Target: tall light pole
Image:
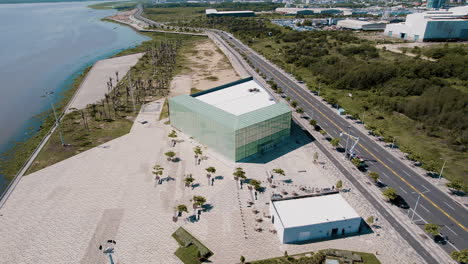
57 122
347 139
416 206
393 142
441 170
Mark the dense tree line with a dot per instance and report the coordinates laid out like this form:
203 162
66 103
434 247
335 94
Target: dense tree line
230 6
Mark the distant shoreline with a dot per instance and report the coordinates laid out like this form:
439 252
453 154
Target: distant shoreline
44 1
18 150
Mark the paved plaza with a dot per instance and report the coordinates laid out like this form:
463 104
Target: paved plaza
61 214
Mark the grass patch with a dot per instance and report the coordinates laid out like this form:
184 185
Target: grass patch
165 110
195 90
191 251
121 6
319 257
107 121
212 78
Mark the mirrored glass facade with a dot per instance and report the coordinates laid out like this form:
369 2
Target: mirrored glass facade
235 137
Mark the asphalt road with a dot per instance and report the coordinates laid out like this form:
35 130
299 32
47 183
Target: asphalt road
434 206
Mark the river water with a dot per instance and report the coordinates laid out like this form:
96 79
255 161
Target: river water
43 47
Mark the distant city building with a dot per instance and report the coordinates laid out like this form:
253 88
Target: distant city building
445 25
361 24
238 120
298 219
311 11
216 13
436 4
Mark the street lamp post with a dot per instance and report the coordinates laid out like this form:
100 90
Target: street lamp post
347 139
416 206
109 249
393 142
57 122
441 170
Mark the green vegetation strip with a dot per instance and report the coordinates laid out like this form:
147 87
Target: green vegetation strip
416 103
344 256
191 251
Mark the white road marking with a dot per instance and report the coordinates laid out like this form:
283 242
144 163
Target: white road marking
403 190
451 230
425 208
383 174
449 205
425 187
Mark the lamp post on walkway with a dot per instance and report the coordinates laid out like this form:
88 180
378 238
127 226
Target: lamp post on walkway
109 249
441 170
57 122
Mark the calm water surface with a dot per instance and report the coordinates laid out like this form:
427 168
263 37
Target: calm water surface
42 47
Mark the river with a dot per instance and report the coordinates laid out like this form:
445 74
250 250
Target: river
43 47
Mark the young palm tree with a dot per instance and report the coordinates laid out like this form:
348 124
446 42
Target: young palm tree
198 152
181 208
188 181
199 200
279 171
170 155
210 170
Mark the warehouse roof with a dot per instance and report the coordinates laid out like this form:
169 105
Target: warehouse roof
313 210
239 98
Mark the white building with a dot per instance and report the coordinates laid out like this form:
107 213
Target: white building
450 24
361 24
315 217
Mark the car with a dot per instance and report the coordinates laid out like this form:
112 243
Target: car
301 82
440 240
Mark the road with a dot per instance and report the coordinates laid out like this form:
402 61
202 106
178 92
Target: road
434 206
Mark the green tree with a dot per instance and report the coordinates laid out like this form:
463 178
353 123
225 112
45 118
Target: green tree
313 122
239 174
432 229
173 134
199 200
181 208
188 181
460 256
374 175
242 259
279 171
299 110
335 142
390 194
370 220
197 150
339 184
158 170
294 104
256 184
210 170
458 185
170 154
322 132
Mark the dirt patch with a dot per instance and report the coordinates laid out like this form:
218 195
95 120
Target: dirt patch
209 67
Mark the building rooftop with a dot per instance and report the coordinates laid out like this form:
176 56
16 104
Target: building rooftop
313 210
214 11
239 98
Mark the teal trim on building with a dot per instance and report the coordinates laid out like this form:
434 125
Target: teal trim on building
235 137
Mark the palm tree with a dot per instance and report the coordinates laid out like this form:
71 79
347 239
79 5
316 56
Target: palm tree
313 122
170 155
158 171
210 170
188 181
335 142
279 171
199 200
374 175
198 152
181 208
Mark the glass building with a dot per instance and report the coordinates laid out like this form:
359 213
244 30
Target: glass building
238 120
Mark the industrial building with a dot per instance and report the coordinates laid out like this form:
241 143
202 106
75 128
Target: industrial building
216 13
361 24
239 120
445 25
298 219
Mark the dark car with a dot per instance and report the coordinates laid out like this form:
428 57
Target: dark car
440 240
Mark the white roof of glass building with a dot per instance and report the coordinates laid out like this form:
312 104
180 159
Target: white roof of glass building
313 210
240 98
